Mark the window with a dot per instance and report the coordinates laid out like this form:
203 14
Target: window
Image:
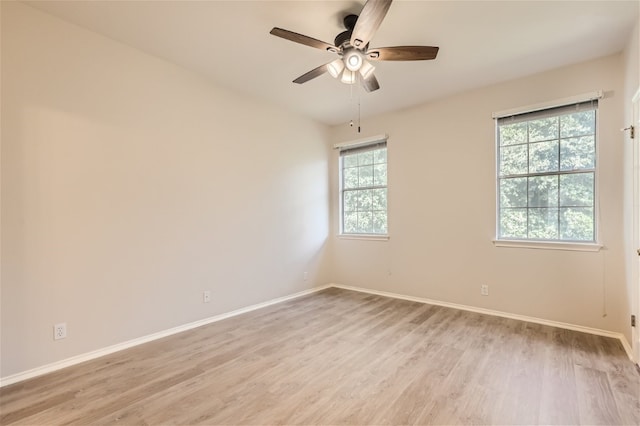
363 189
546 174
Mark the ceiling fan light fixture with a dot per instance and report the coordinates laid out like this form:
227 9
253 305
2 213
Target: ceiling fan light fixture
335 68
353 61
352 47
348 77
366 69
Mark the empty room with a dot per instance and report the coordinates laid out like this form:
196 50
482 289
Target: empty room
320 212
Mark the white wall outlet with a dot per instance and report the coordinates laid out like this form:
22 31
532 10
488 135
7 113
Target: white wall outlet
60 331
305 276
484 289
206 296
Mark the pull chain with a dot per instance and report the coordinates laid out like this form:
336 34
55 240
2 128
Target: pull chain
358 89
351 101
356 82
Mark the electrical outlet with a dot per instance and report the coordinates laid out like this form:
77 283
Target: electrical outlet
206 296
305 276
484 290
60 331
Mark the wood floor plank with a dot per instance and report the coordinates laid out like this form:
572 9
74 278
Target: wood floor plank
382 378
595 397
213 363
347 355
341 350
626 393
421 389
559 403
343 357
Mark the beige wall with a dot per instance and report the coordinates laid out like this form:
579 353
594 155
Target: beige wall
130 185
442 208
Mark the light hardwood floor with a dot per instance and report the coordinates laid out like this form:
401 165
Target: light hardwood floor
342 357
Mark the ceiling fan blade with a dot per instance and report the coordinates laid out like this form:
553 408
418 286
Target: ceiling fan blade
370 83
368 22
403 53
316 72
302 39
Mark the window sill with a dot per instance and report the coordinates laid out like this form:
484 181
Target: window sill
366 237
548 245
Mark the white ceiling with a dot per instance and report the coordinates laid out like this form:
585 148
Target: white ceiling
481 42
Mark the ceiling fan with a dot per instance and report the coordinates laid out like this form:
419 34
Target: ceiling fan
352 46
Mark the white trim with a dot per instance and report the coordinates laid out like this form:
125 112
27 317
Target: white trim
49 368
548 245
599 94
361 142
635 216
567 326
551 245
369 237
627 346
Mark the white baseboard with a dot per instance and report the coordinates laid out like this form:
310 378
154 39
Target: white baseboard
574 327
38 371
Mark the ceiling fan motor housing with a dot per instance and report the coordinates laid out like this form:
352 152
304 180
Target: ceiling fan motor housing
350 21
343 37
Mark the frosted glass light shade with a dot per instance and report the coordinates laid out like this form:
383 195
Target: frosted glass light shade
348 77
335 68
366 69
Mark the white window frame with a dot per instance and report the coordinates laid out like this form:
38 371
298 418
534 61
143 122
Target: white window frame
550 244
350 145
